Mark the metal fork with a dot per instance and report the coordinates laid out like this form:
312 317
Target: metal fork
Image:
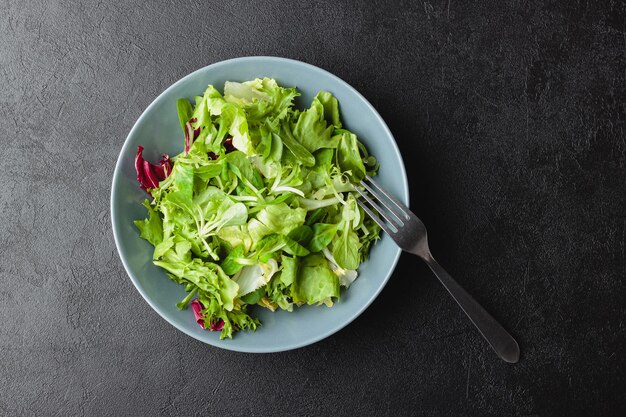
409 233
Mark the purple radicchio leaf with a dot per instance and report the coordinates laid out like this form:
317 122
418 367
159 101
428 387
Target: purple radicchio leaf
197 308
149 175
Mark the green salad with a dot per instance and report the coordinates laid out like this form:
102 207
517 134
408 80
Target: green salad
258 209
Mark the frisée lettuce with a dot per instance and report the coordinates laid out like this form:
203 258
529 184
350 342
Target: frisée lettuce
257 209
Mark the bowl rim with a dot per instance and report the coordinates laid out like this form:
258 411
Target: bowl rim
117 173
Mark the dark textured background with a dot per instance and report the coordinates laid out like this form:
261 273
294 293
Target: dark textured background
511 119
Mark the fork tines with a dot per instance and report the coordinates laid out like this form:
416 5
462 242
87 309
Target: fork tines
395 213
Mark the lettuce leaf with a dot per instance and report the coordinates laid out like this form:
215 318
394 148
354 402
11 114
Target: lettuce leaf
312 130
185 112
276 218
151 228
349 158
315 283
331 108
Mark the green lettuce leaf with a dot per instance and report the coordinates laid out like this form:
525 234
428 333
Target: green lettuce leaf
234 261
289 270
253 277
311 129
279 290
292 247
346 250
297 150
276 218
315 283
185 112
323 234
331 108
349 158
151 228
263 100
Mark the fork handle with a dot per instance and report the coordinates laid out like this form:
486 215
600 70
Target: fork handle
500 340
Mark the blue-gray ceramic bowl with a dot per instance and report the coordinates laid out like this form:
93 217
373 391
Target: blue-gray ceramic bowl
159 132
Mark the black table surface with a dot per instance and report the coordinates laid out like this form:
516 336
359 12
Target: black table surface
511 120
